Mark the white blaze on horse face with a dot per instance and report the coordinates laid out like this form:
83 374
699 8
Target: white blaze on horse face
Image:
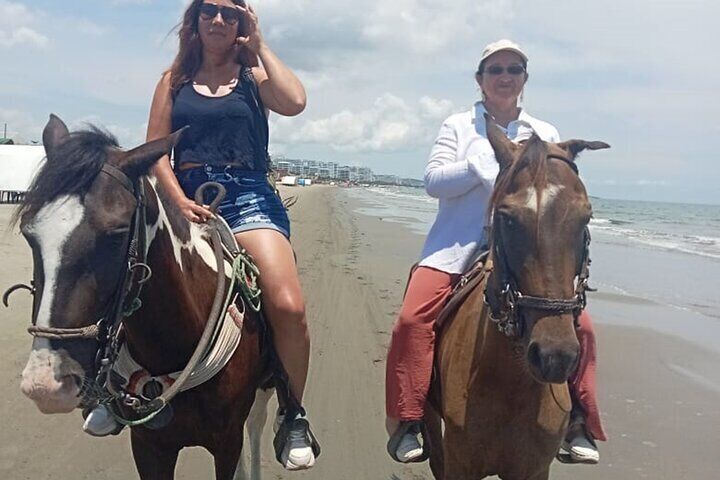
548 195
47 376
52 227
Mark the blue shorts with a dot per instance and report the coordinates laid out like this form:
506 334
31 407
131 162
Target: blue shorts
250 202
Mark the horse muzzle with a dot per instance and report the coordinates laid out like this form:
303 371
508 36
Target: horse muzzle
553 363
52 381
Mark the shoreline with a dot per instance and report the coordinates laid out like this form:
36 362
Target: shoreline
658 393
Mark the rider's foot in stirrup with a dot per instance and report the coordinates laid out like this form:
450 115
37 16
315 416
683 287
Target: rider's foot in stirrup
580 445
409 448
100 423
298 452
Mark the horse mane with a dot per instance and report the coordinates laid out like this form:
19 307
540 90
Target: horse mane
75 164
533 156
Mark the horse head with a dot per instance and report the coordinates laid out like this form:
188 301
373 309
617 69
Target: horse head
539 214
78 219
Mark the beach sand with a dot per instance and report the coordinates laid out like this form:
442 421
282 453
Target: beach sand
659 394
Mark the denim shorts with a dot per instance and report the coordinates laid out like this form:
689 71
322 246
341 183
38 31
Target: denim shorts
250 202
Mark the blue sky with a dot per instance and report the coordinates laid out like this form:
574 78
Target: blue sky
381 76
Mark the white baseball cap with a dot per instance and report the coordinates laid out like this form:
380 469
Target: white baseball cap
499 46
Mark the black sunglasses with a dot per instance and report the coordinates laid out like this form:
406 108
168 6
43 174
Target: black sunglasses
498 70
230 15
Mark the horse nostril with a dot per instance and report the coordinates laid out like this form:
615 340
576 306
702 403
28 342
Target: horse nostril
78 381
533 355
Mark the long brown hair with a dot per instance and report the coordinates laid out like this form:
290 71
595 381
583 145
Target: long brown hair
190 53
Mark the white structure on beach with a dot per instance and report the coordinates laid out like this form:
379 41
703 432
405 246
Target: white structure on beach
18 166
288 180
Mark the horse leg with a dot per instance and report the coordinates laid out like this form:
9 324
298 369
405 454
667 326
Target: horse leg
255 425
543 475
227 459
151 460
433 422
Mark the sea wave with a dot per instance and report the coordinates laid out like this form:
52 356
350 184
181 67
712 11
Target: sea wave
701 245
670 227
404 193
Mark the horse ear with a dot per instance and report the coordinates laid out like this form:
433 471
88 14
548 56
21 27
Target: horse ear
574 147
54 134
503 147
137 162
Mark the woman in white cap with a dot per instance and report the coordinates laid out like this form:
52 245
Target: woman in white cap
461 172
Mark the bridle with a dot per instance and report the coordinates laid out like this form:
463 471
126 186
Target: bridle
108 330
123 303
506 311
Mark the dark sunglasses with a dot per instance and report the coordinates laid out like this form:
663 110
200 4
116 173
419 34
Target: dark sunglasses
498 70
230 15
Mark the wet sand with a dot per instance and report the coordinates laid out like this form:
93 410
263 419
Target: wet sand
659 394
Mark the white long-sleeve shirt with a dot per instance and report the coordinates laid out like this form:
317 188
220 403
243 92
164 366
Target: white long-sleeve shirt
461 173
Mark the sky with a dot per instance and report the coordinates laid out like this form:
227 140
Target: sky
381 75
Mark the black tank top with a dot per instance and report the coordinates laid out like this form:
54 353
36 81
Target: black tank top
231 129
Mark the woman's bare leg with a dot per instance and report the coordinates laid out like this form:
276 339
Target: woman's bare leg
283 301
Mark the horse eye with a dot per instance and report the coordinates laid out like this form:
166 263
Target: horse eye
507 220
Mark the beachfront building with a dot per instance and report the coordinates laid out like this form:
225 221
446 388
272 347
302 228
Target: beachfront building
320 170
365 175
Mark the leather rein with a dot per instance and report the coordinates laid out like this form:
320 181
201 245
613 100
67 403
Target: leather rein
511 300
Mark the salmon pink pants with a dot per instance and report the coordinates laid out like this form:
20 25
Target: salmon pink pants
410 358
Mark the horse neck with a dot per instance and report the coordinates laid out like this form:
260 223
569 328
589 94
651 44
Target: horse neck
176 300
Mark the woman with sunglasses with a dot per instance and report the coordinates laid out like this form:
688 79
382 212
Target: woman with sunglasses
461 173
222 84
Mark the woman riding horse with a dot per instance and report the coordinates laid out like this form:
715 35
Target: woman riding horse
218 88
461 172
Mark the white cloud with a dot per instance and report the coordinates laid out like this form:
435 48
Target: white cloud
428 27
389 124
16 26
128 136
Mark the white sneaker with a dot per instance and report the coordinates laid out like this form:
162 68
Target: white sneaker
409 448
298 453
582 450
100 423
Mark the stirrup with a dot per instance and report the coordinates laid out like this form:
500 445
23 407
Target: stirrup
281 436
403 429
568 456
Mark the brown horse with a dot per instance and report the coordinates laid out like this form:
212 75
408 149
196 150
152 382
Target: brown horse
502 392
79 218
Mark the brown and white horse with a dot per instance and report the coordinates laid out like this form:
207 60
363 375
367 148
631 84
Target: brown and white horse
502 392
78 220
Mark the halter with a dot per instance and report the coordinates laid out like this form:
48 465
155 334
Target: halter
511 299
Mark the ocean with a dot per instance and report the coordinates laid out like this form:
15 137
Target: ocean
644 253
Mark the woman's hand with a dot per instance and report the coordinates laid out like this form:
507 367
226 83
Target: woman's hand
194 212
253 40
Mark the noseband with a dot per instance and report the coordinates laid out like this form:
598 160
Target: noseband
506 312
